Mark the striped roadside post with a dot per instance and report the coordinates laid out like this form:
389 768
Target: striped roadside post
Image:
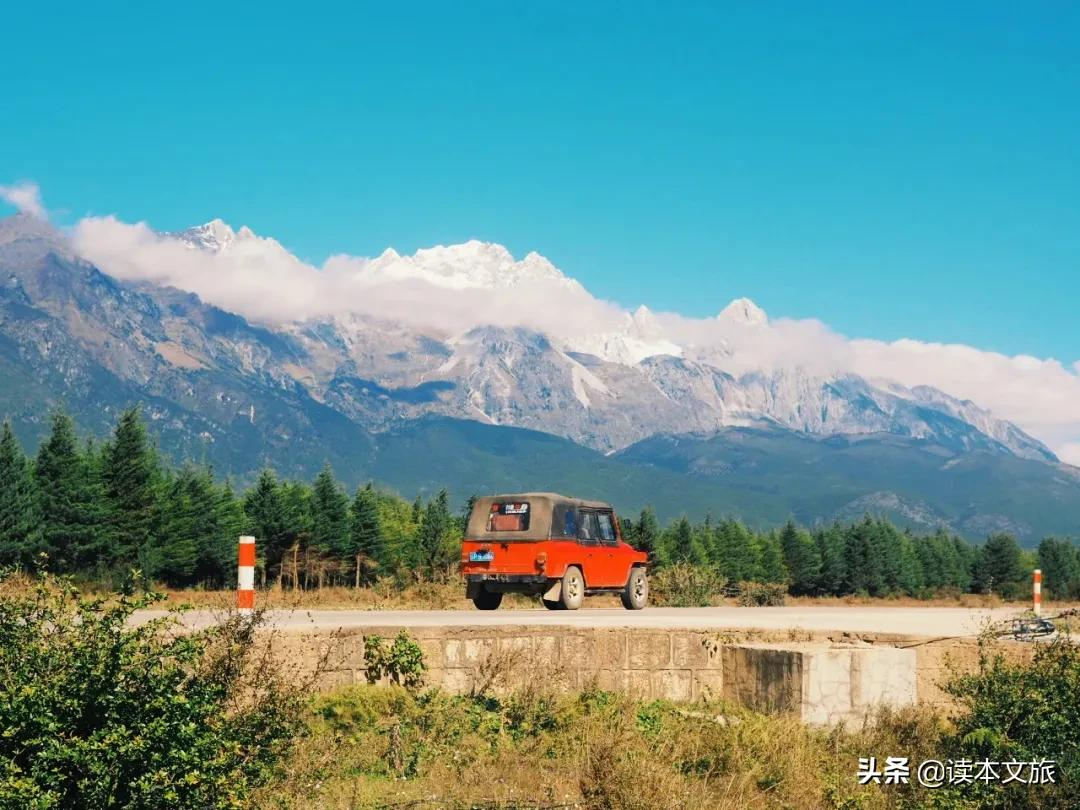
1036 592
245 575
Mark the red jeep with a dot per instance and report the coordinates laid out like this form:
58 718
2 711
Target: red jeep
542 543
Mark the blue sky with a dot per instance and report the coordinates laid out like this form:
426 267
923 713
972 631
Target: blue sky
892 171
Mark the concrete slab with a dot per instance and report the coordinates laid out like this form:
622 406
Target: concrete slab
824 684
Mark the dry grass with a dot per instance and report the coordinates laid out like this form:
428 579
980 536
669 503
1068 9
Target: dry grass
451 596
385 595
382 747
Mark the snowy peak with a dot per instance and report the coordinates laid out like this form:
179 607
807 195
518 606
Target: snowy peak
640 336
743 311
470 265
214 236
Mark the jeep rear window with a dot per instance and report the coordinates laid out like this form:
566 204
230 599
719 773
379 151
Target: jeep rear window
509 517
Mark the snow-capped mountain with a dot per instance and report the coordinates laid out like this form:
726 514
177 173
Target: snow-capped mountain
680 419
605 389
471 265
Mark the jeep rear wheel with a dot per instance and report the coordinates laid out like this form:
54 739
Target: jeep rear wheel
636 593
573 589
487 600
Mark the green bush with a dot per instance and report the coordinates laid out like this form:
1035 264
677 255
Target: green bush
1022 711
98 712
402 662
686 585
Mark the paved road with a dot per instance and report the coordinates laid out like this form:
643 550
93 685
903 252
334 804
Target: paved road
915 621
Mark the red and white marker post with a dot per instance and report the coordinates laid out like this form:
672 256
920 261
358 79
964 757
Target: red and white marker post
1036 592
245 576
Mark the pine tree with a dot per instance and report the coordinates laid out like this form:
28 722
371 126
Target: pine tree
173 556
770 559
69 502
399 533
830 546
130 476
218 532
733 551
999 568
218 559
264 506
1060 564
432 533
680 543
466 512
329 514
365 532
862 560
647 533
296 508
909 575
18 506
801 559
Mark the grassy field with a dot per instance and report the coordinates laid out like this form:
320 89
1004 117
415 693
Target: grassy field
385 747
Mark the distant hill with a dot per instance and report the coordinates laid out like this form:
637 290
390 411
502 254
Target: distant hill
913 482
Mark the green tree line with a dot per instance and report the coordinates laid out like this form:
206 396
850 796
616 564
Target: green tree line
100 510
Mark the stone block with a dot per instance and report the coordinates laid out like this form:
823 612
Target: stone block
765 679
457 681
339 679
469 652
672 684
547 650
433 652
518 647
708 683
689 650
649 651
639 683
576 653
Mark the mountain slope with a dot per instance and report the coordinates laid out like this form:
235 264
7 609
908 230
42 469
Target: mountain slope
915 482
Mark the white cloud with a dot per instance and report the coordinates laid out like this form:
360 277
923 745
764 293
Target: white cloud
453 289
25 196
259 279
1070 453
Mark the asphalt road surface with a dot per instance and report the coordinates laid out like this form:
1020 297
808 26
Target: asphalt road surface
913 621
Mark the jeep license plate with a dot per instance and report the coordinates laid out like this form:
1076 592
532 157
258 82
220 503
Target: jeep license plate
481 556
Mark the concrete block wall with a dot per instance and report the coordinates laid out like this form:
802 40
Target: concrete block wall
822 681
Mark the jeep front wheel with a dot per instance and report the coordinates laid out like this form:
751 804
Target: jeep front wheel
636 593
573 589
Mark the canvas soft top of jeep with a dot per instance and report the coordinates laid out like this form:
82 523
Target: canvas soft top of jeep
525 517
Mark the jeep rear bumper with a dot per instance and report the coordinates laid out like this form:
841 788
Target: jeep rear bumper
505 583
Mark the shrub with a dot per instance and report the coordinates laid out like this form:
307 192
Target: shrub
686 585
98 712
762 594
1023 711
402 662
